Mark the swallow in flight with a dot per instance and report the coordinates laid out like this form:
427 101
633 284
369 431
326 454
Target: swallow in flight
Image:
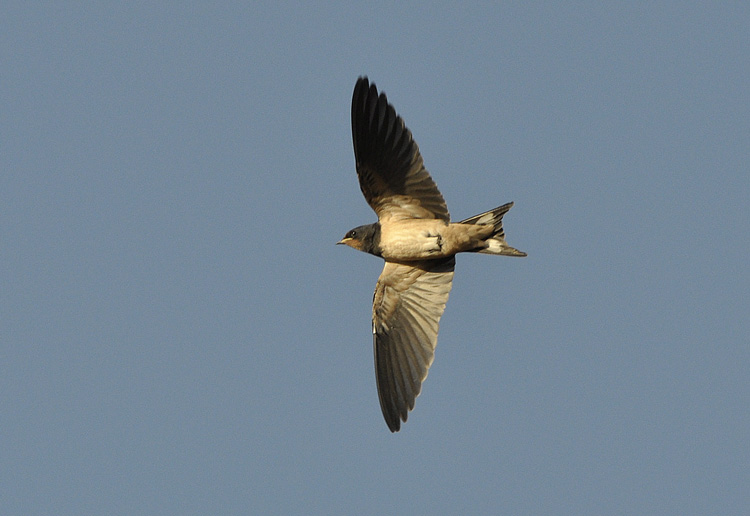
417 240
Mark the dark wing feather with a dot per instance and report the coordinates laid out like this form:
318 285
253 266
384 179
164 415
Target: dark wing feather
389 166
408 303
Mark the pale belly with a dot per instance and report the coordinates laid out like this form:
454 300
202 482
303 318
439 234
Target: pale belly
412 239
419 239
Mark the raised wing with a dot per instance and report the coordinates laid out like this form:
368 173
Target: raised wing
389 166
409 300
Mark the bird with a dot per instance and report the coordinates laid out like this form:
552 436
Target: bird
417 240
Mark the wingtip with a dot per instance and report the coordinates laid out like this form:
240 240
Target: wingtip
363 83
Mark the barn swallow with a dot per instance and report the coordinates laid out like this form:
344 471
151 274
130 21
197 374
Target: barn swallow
417 240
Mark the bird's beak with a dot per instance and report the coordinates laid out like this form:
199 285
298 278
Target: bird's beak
343 241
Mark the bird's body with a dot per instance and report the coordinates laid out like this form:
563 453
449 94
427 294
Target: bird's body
415 237
427 239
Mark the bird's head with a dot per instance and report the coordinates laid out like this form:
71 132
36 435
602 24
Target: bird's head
363 238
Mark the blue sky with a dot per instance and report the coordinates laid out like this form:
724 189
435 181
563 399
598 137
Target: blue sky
180 335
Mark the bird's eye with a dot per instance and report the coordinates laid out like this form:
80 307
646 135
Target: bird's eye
352 234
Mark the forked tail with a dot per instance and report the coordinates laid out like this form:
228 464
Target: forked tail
495 243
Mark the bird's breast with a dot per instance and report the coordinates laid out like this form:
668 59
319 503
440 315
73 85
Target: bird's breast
413 239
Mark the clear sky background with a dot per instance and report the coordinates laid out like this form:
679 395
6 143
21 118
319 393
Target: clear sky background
180 335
